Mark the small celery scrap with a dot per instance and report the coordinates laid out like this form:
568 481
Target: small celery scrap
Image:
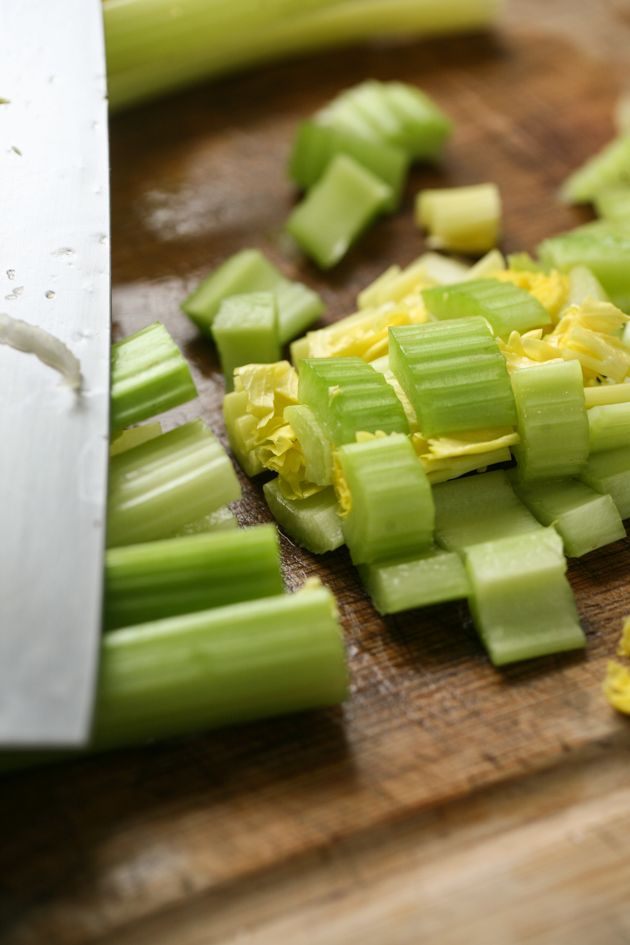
617 681
462 219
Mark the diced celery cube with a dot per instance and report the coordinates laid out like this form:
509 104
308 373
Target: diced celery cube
245 331
433 577
313 522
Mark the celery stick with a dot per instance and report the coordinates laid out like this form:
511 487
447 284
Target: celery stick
482 508
134 436
182 575
584 285
584 519
454 375
606 254
149 376
433 577
314 443
240 427
521 601
313 523
552 423
609 427
607 169
505 307
160 486
337 210
609 473
613 204
245 331
462 219
391 507
222 520
607 394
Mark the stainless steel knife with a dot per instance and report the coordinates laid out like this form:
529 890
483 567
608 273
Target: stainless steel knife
54 273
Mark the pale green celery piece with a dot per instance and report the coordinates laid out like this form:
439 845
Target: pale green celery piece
609 473
462 465
245 331
134 436
521 601
314 442
377 292
298 308
300 349
609 427
607 394
391 509
442 269
196 572
149 375
493 261
609 168
505 306
613 204
480 508
552 423
584 285
222 520
160 486
337 210
240 427
604 252
433 577
425 127
584 519
519 262
381 364
313 523
461 219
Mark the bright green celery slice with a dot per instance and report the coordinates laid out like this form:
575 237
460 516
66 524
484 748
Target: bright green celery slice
316 145
609 473
584 285
433 577
313 523
337 210
149 376
314 443
183 575
249 271
505 306
461 219
160 486
552 422
222 520
391 505
613 204
521 601
348 396
584 519
454 375
479 508
605 253
245 331
607 169
134 436
609 427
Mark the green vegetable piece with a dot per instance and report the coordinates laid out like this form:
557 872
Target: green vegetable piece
433 577
505 306
134 436
245 331
523 262
348 396
461 219
337 210
149 376
552 421
240 427
613 204
454 375
313 523
607 169
222 520
314 443
609 427
584 285
521 601
609 473
605 253
391 511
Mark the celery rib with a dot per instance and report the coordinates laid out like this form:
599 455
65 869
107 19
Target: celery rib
404 583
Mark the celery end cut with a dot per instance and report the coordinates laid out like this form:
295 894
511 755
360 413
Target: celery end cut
461 219
505 307
404 583
605 252
609 473
313 522
314 443
609 168
245 331
609 426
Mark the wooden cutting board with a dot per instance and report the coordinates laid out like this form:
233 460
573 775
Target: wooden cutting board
445 801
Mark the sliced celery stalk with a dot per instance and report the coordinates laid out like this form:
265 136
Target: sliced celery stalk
134 436
605 253
391 507
454 375
609 473
607 169
584 519
314 443
313 523
521 601
607 394
160 486
552 422
245 331
461 219
182 575
505 306
405 583
298 308
222 520
337 210
348 396
613 204
316 145
149 376
609 427
240 428
492 262
584 285
481 508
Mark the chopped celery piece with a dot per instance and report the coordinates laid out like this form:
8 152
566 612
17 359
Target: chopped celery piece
160 486
609 473
249 271
389 506
609 427
454 375
442 269
480 508
348 396
405 583
314 443
182 575
584 519
316 145
606 169
584 285
337 210
149 376
614 204
245 331
222 520
240 426
606 254
505 307
441 470
462 219
521 601
313 523
523 262
607 394
552 421
492 262
134 436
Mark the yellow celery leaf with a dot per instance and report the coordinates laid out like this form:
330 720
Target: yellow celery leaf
521 351
617 686
395 284
439 469
473 443
340 485
269 388
594 315
551 289
365 334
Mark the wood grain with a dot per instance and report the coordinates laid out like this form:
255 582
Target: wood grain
389 819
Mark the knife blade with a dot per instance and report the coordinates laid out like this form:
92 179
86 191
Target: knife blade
54 273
